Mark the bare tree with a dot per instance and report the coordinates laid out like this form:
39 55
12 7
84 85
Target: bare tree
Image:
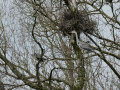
43 27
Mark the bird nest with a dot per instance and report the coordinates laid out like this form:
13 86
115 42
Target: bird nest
79 21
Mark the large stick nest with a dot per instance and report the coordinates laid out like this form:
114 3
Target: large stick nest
79 21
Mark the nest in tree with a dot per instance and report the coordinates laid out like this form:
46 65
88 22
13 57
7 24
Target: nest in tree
79 21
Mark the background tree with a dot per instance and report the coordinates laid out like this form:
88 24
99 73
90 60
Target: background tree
31 26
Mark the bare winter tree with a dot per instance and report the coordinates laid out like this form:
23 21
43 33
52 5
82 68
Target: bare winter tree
38 50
